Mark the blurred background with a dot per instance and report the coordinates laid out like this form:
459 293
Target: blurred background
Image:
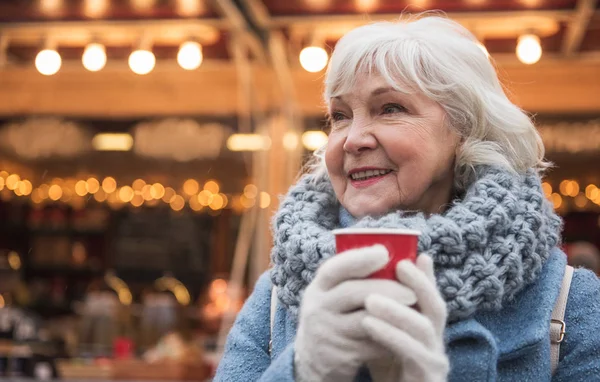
144 145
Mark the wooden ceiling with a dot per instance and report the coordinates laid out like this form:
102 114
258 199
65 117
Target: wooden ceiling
255 43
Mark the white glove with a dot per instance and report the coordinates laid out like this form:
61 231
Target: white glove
416 339
331 344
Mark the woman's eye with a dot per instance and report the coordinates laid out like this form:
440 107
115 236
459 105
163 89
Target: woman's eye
337 116
392 108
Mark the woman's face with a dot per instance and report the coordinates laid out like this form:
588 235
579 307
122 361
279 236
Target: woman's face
389 150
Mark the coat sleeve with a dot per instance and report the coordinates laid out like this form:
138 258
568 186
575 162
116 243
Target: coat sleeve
246 357
580 351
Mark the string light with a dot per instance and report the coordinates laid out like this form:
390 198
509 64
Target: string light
138 184
48 62
212 186
94 57
314 140
189 56
177 203
556 200
529 50
109 185
169 195
157 191
93 185
592 192
547 188
265 200
126 194
250 191
313 59
142 61
191 187
55 192
217 202
73 192
205 197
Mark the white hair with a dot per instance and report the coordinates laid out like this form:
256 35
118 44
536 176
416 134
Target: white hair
440 58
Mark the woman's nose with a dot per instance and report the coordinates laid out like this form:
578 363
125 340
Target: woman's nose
359 139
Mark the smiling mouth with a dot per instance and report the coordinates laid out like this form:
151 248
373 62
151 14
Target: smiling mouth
369 174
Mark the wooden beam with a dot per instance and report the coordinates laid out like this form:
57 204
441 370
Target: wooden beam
552 86
577 26
118 32
117 92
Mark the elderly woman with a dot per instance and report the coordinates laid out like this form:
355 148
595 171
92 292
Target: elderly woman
423 137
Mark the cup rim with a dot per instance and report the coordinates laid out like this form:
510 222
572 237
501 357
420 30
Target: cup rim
376 231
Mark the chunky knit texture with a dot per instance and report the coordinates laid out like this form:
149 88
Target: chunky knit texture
486 247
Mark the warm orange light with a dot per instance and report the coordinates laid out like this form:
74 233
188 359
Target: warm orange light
109 185
177 203
547 188
138 184
247 202
157 191
556 200
205 197
146 192
126 193
191 187
12 181
169 195
55 192
137 200
93 185
217 202
580 200
265 200
44 191
81 188
100 196
212 186
592 192
195 204
25 187
250 191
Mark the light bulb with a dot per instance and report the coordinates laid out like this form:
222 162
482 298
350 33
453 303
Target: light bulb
190 55
48 62
529 50
314 140
94 57
141 61
313 59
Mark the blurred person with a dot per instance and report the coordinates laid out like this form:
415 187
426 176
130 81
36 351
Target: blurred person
584 254
422 137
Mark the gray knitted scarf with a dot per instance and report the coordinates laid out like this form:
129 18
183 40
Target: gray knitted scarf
486 247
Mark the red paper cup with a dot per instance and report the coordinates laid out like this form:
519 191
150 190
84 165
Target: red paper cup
400 243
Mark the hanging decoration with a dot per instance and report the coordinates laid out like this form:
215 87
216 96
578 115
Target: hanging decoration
182 140
43 137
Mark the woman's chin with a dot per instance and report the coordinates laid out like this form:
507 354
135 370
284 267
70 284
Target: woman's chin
361 207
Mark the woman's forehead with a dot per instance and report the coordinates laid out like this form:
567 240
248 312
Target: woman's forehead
367 85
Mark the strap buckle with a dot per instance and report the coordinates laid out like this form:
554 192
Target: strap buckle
561 334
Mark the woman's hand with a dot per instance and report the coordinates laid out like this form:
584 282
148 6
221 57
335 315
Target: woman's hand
416 339
331 343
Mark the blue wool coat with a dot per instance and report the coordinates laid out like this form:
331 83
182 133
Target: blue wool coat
510 345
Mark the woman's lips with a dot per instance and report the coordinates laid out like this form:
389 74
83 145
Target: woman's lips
367 182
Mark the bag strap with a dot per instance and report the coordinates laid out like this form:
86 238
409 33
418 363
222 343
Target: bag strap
557 322
273 310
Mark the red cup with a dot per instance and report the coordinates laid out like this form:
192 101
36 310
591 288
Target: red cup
400 243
